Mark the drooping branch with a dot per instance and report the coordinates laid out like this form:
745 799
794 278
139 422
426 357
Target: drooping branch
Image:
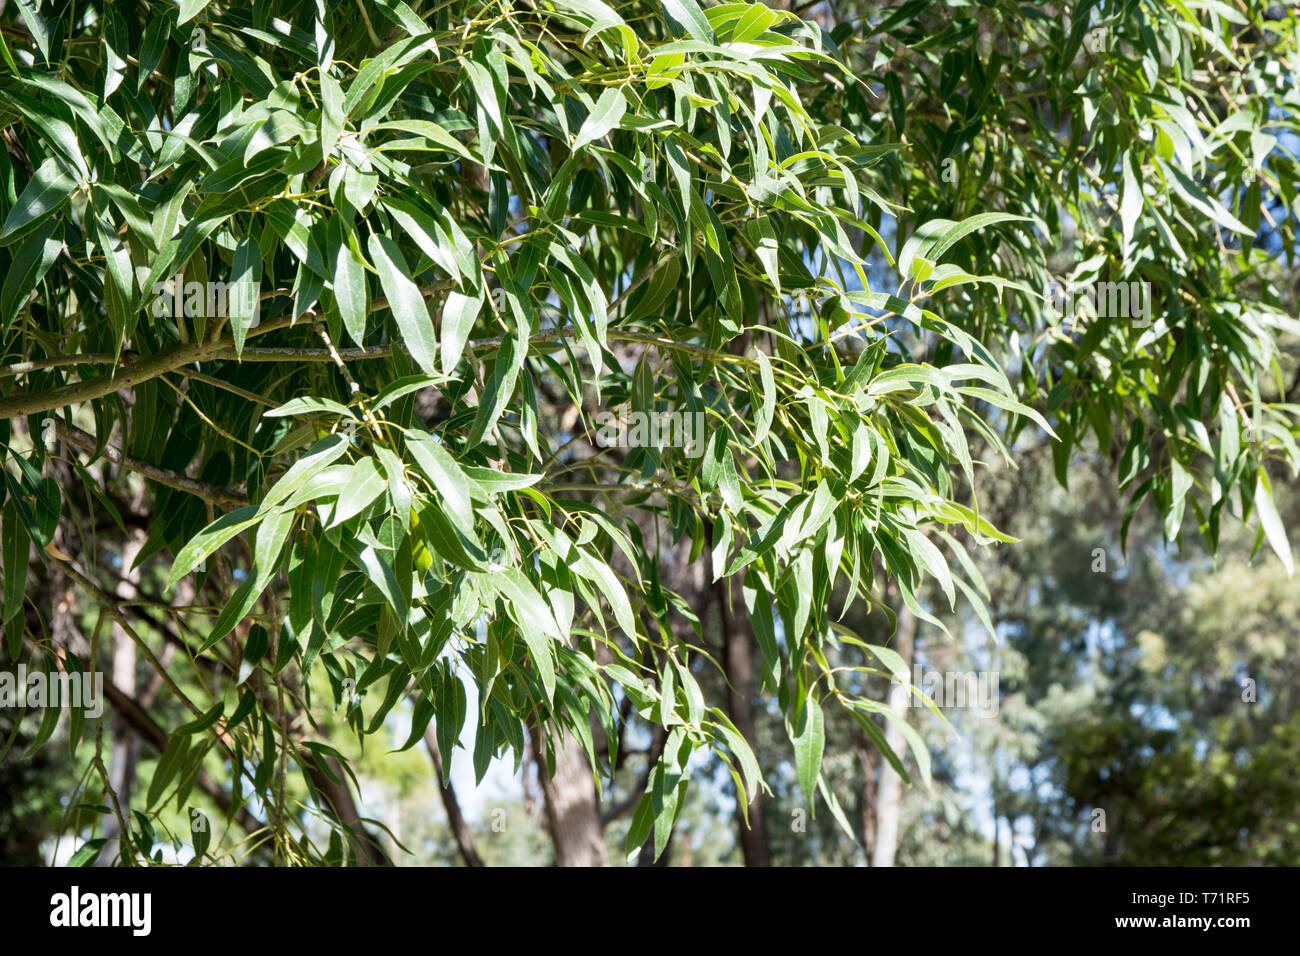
147 728
113 611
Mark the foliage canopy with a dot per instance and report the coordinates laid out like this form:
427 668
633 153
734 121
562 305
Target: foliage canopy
473 227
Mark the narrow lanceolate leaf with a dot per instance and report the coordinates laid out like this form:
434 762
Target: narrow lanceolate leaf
1130 198
169 764
500 386
31 12
365 483
88 852
243 295
458 315
690 16
331 113
309 405
190 9
405 302
350 292
536 622
49 188
15 546
935 238
33 257
608 111
446 478
767 407
1271 522
861 453
599 14
809 743
209 540
322 454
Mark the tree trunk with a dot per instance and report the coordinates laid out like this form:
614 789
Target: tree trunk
867 808
737 646
126 745
455 819
337 795
889 796
572 812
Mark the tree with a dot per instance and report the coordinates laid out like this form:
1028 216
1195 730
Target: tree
341 313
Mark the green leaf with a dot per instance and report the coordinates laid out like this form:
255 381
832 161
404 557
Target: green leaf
244 292
365 483
809 740
536 621
44 195
350 291
600 15
169 765
1271 522
190 9
763 420
936 237
690 16
608 111
318 457
1130 198
405 301
404 386
15 546
207 541
88 852
307 405
445 477
202 723
31 261
31 13
458 315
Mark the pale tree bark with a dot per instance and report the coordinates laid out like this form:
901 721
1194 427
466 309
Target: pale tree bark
125 752
889 794
569 795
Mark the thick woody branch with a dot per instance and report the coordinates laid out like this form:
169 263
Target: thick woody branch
129 370
126 376
160 363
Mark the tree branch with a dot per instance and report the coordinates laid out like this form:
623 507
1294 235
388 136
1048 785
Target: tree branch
218 495
168 360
